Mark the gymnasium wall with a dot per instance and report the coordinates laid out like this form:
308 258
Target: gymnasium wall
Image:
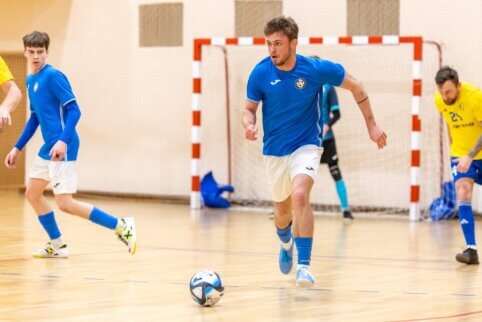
136 102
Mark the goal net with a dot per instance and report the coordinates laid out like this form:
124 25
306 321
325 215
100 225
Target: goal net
404 177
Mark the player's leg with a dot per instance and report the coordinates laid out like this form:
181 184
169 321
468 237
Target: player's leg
283 222
302 185
304 166
124 228
464 184
64 179
331 159
279 177
36 184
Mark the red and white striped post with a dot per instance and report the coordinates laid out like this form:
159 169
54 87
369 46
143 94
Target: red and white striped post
327 40
416 126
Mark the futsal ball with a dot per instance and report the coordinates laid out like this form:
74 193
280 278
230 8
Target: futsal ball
206 287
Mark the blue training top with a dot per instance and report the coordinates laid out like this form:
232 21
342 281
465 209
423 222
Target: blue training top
291 101
329 103
53 107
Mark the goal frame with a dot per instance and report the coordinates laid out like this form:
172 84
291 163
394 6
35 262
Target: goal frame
386 40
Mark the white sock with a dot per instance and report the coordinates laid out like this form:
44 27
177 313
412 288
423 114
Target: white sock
300 266
287 245
57 242
472 247
120 224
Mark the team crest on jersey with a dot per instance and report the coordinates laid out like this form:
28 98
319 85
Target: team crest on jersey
300 83
35 87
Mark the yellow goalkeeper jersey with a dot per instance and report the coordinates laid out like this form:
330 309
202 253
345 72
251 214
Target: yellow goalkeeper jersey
5 73
463 119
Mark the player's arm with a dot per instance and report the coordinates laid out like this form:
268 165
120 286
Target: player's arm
465 161
254 95
63 92
27 133
448 134
71 116
12 99
249 120
361 97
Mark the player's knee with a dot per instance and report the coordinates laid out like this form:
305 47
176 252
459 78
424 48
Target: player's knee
32 195
335 171
300 197
64 205
464 192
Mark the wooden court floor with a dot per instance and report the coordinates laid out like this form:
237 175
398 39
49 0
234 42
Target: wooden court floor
370 270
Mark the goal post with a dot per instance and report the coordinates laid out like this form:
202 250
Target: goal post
413 149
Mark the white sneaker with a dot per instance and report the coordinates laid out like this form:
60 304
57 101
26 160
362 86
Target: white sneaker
304 277
127 234
50 251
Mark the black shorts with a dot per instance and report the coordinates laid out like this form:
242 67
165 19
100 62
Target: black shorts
329 152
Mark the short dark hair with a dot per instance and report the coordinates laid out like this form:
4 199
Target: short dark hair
36 39
446 73
283 24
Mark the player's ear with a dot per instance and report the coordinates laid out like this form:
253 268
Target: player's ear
294 43
459 85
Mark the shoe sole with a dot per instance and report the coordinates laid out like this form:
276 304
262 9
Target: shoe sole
134 249
44 256
304 283
465 262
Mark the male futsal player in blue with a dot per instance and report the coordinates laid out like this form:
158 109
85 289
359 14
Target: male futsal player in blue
288 85
53 106
330 114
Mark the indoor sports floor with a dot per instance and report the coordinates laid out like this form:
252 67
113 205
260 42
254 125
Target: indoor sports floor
373 269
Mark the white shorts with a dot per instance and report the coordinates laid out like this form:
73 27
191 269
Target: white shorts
282 170
62 174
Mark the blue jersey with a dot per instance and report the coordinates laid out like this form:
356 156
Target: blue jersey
49 92
329 103
291 109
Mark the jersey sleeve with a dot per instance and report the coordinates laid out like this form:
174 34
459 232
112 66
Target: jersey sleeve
438 102
61 88
477 99
5 74
254 92
330 72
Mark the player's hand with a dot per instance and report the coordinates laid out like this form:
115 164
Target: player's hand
377 136
5 118
11 159
463 164
326 129
57 152
251 132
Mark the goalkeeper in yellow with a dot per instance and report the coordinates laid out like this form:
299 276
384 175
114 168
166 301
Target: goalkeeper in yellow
12 94
461 106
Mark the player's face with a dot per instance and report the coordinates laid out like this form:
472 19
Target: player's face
281 49
449 92
36 57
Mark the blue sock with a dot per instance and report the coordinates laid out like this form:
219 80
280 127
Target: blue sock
284 234
50 225
466 218
303 246
103 218
341 191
